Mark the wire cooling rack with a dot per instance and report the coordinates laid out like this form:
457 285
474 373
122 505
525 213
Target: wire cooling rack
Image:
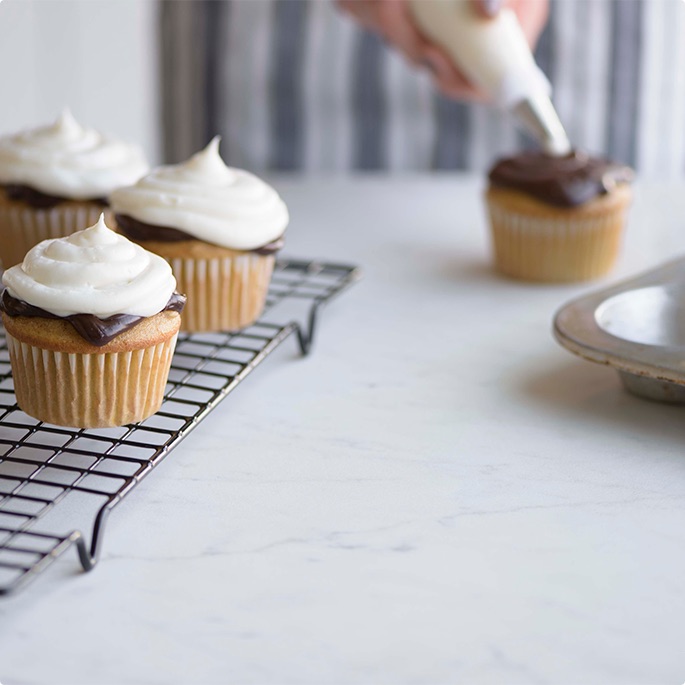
46 468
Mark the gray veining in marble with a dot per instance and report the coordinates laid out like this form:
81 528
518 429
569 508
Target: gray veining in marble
439 494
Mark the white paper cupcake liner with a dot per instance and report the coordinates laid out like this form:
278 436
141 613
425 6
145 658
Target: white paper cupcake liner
90 390
553 249
23 227
224 293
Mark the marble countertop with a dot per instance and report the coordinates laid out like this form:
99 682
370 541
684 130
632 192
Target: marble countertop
439 494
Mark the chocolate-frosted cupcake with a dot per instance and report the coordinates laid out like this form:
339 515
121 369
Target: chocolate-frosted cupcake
218 227
91 322
557 219
55 180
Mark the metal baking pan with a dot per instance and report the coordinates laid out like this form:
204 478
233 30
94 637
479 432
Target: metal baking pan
636 327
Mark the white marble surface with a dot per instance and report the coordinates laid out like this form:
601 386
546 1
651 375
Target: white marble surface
439 494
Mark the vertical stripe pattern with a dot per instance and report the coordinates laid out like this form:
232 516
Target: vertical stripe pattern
244 116
327 89
564 65
296 84
286 84
626 42
184 84
410 114
594 55
368 103
661 144
452 135
213 19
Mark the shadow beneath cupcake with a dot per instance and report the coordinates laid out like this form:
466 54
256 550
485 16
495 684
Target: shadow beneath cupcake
449 266
470 271
478 270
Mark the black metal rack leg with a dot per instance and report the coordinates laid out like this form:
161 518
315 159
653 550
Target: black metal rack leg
42 465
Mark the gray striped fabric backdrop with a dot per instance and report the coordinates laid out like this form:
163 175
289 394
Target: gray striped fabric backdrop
295 85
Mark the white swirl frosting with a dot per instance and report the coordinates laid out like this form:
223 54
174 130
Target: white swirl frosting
208 200
69 160
94 271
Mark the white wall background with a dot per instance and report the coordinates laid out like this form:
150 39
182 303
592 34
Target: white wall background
99 57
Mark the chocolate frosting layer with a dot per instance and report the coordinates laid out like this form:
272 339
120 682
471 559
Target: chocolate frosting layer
38 199
141 232
566 181
96 331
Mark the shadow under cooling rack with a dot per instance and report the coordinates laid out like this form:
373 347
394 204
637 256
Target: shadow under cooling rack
46 468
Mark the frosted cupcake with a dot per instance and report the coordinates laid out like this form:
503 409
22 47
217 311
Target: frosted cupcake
91 322
557 218
55 180
219 228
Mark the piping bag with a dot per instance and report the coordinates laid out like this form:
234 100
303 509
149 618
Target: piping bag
495 56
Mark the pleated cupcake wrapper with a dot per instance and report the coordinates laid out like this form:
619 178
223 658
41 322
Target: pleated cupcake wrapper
224 293
555 250
23 227
90 390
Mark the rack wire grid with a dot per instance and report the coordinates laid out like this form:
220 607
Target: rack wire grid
43 466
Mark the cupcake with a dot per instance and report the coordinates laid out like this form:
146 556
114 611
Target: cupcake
218 227
557 219
91 322
55 180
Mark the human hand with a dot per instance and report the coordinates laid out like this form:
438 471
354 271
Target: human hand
392 19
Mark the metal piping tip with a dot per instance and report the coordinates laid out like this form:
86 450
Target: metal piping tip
538 117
